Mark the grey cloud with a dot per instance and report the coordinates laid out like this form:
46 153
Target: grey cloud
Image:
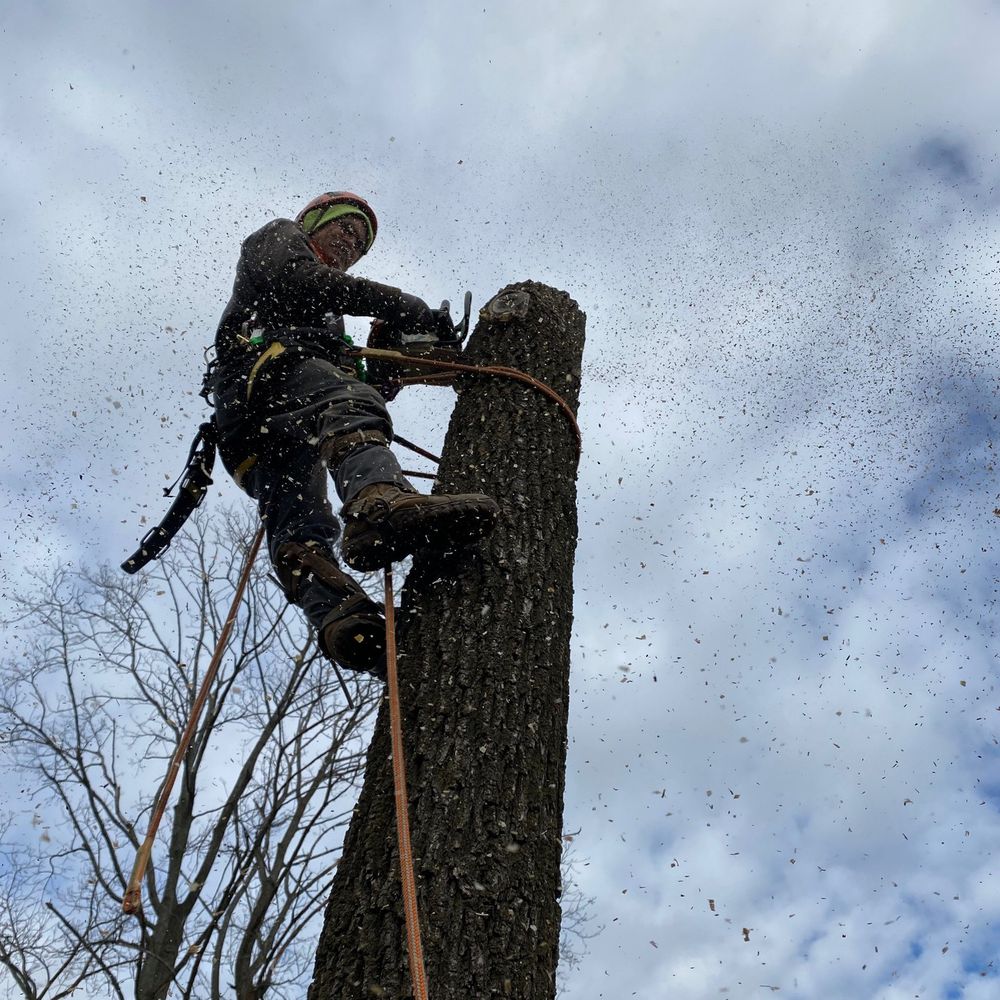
949 159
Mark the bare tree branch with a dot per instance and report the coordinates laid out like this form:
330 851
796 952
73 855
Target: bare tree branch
90 714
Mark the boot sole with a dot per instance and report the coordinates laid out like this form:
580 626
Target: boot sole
407 531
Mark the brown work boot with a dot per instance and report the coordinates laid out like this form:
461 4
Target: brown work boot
353 635
383 524
352 632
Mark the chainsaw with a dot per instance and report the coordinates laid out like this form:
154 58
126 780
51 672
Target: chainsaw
389 374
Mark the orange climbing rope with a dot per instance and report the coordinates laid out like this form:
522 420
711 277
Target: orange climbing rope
415 951
457 366
132 900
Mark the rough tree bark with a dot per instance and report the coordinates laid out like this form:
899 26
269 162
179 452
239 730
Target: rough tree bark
484 678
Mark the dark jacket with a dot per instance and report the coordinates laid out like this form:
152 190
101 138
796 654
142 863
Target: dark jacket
286 305
284 292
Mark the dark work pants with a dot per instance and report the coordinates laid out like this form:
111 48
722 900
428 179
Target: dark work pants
301 407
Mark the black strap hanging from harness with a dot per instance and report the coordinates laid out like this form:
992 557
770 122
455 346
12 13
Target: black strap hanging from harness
194 483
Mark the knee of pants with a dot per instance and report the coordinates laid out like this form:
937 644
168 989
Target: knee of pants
363 412
294 505
324 535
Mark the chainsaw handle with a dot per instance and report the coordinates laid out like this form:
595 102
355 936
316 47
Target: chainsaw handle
390 333
462 329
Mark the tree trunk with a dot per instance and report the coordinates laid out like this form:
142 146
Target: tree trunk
484 677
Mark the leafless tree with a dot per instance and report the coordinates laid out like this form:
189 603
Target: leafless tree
577 909
91 709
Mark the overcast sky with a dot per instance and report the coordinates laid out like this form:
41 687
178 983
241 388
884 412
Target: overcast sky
781 219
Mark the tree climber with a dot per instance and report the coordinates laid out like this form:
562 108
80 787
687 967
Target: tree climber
291 409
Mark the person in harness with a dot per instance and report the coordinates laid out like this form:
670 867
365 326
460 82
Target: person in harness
292 411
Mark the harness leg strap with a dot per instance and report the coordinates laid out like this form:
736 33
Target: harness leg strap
333 451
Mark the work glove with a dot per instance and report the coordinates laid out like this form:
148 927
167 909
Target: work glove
414 316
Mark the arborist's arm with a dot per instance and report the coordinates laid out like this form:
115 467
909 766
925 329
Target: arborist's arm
301 289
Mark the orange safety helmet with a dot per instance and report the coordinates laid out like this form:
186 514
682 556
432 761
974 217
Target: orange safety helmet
316 215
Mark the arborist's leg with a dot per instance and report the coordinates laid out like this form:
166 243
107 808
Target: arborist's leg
290 485
385 518
384 522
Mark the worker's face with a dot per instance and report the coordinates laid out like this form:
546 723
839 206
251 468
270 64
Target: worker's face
343 241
